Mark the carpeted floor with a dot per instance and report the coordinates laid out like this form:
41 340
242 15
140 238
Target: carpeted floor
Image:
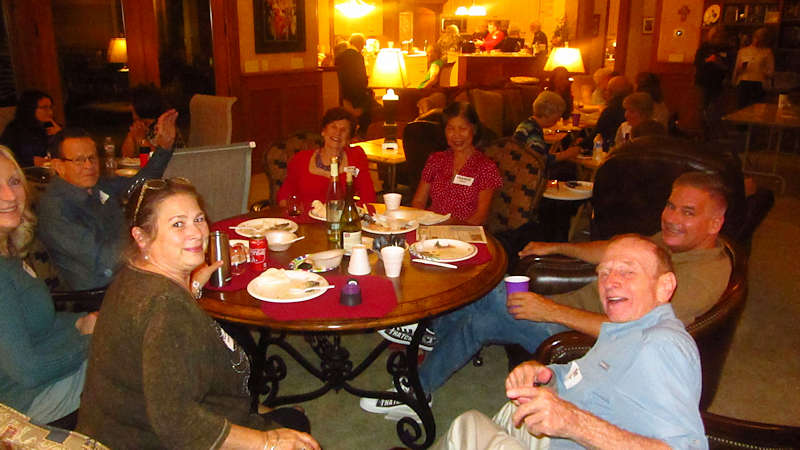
761 379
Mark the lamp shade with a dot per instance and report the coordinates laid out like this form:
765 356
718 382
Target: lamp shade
567 57
389 70
118 51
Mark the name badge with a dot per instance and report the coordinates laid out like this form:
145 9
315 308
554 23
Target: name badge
463 181
573 376
353 170
103 197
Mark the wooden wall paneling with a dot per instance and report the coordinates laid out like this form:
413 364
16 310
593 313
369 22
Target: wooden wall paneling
227 61
141 31
623 24
677 78
33 48
276 104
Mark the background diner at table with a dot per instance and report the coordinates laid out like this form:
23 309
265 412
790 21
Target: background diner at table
460 180
34 131
309 170
162 373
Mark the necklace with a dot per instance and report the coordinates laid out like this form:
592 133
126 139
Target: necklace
320 165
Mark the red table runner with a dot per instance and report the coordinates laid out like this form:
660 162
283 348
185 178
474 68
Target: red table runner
377 300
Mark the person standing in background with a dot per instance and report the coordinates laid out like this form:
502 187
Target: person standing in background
538 39
712 63
755 66
357 98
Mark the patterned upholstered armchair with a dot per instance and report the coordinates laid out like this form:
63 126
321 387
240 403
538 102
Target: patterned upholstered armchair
523 173
276 158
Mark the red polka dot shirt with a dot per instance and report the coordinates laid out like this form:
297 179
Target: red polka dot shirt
459 200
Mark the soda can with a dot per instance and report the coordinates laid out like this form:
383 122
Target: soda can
258 253
220 251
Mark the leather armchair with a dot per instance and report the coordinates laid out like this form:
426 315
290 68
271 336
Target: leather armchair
632 186
730 433
712 331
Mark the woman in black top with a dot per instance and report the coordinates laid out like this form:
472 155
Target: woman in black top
33 129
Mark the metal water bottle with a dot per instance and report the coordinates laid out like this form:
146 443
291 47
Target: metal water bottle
220 250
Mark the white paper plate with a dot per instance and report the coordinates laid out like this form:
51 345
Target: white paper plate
315 216
266 291
443 250
583 186
129 162
250 228
374 228
126 172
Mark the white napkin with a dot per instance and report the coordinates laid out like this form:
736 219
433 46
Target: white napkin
431 218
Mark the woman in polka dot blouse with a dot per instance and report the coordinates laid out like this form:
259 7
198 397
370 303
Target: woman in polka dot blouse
460 180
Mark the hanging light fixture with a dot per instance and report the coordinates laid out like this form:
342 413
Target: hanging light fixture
355 9
474 10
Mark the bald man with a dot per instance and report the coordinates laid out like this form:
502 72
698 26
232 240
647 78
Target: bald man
638 387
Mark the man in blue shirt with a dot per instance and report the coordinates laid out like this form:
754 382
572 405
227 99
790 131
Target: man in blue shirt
81 220
638 387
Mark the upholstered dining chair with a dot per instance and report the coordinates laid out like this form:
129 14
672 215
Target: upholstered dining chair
224 195
211 120
524 178
276 158
712 331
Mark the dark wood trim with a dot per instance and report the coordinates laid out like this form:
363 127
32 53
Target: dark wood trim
141 31
29 24
623 25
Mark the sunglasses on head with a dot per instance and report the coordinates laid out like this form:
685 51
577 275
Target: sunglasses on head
155 184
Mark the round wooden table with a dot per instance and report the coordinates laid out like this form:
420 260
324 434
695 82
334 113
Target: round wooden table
422 292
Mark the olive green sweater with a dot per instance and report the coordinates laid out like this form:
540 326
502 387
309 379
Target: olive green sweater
161 374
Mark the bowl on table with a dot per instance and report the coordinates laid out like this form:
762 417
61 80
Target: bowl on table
279 241
328 259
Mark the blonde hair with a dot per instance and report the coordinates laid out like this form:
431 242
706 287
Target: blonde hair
18 241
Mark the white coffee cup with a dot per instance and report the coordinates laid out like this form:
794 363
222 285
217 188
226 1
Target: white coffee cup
392 260
359 261
392 201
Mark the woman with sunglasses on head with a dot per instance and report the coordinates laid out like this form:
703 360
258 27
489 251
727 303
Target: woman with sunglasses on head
163 374
42 352
33 131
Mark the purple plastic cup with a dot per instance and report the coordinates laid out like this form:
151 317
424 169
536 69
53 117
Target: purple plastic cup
517 283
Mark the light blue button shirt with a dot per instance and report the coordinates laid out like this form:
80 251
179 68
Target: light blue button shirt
643 376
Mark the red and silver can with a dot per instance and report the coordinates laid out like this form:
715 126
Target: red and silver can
258 253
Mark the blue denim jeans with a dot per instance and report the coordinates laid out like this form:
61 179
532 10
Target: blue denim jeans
461 333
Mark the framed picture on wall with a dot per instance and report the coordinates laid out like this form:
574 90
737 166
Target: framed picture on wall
279 26
648 25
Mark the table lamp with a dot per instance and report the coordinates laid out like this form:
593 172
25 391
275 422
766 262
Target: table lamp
118 52
568 57
389 72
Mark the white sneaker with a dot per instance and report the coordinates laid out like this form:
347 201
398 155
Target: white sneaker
393 409
404 333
